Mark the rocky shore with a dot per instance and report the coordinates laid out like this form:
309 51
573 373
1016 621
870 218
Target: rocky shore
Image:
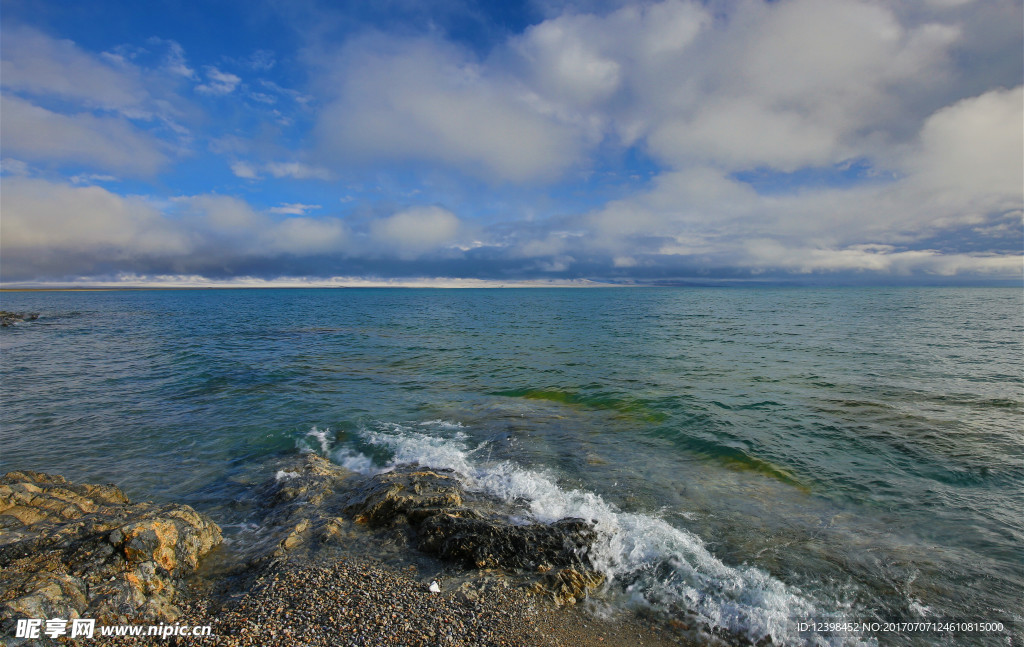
314 577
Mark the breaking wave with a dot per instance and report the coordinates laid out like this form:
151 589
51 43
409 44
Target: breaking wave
651 562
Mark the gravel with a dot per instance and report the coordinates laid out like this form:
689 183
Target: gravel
363 602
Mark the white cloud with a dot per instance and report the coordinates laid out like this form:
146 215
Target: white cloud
35 64
416 231
297 170
51 227
419 100
915 94
109 143
218 82
294 170
306 236
174 61
244 170
879 258
11 166
92 178
580 60
262 60
54 229
294 208
974 146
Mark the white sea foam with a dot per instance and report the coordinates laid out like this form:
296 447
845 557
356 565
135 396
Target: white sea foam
322 437
354 461
441 424
283 475
659 565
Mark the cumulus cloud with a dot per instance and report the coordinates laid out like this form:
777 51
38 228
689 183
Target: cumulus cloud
54 229
415 231
783 88
879 259
974 146
889 136
400 99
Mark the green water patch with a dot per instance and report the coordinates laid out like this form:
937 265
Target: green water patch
741 461
626 407
738 459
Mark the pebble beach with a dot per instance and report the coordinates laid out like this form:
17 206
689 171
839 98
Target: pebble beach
364 602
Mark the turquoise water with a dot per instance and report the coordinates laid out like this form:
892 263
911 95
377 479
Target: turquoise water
755 458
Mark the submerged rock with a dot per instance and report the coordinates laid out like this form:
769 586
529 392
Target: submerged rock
11 318
302 509
75 550
568 585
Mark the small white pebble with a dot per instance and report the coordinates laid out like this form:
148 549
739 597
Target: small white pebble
435 587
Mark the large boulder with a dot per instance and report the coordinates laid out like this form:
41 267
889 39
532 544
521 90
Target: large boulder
494 543
456 525
74 550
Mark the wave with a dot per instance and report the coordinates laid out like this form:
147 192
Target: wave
647 560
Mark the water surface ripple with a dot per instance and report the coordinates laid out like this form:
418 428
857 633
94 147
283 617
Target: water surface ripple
754 455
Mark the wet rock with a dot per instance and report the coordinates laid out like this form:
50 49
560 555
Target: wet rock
75 550
406 494
311 482
568 585
492 543
302 507
11 318
446 522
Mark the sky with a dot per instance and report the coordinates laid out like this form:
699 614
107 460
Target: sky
298 142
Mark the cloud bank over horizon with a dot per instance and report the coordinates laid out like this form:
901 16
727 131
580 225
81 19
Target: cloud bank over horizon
808 140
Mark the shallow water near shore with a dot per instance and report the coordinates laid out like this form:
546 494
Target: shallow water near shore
754 459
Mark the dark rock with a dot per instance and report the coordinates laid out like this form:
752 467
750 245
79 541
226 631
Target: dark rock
490 543
446 523
11 318
74 550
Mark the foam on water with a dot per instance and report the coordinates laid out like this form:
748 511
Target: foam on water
323 438
659 566
442 424
354 461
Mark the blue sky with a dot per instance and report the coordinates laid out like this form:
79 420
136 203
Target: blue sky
301 142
